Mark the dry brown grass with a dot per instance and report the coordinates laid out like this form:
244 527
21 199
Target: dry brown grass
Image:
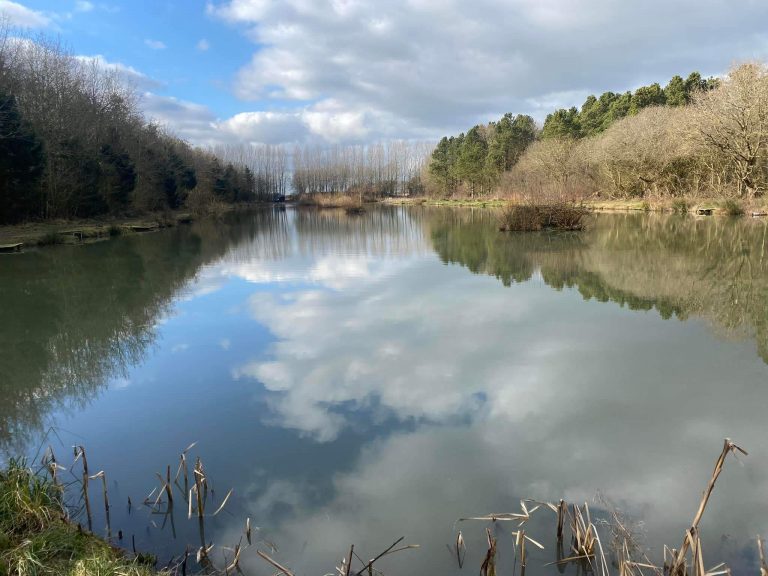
345 201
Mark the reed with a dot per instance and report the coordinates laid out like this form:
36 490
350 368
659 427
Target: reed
587 549
461 549
102 475
80 455
692 540
488 567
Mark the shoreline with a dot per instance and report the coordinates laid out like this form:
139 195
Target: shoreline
18 237
37 534
682 206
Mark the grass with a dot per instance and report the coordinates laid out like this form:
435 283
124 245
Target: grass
37 539
534 217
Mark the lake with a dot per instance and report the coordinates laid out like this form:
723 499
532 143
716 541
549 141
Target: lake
355 379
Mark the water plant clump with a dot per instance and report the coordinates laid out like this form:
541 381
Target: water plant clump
535 217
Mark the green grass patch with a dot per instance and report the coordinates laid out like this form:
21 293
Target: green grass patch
37 540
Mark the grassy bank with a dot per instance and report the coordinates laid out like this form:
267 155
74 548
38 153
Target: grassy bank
78 231
36 537
681 205
459 202
55 232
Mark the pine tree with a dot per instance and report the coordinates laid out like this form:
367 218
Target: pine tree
21 165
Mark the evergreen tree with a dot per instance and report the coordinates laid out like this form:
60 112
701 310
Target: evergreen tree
646 96
471 160
440 165
676 93
21 165
595 115
562 124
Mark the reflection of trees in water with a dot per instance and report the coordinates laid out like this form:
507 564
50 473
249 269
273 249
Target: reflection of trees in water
713 268
279 234
72 317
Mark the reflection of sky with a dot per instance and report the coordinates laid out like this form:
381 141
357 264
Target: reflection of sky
356 397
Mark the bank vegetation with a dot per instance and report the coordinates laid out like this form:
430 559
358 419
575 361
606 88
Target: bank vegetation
691 140
74 143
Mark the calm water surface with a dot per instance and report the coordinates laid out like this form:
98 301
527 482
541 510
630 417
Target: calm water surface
358 379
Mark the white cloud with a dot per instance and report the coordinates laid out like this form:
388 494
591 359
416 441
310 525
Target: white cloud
442 66
203 45
155 44
193 122
20 15
501 394
84 6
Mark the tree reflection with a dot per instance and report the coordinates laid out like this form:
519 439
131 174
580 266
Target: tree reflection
680 266
73 317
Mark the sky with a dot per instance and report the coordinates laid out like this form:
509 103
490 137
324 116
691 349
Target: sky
359 71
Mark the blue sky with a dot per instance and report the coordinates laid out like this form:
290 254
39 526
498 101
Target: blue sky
351 71
201 53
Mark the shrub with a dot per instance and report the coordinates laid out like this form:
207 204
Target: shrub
534 217
680 206
50 238
733 208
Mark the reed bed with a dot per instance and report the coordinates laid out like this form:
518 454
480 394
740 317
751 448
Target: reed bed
535 217
586 549
46 540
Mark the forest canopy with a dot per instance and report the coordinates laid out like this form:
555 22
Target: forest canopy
74 144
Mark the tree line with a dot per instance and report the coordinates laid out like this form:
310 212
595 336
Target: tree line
694 137
597 114
375 170
714 146
74 144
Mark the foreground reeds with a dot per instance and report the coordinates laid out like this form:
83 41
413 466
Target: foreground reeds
535 217
39 534
586 549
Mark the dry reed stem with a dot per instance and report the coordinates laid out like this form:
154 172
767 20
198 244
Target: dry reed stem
391 550
761 551
80 450
224 502
488 567
461 549
349 560
678 567
562 510
280 567
101 474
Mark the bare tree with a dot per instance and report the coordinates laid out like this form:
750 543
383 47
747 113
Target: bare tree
733 120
